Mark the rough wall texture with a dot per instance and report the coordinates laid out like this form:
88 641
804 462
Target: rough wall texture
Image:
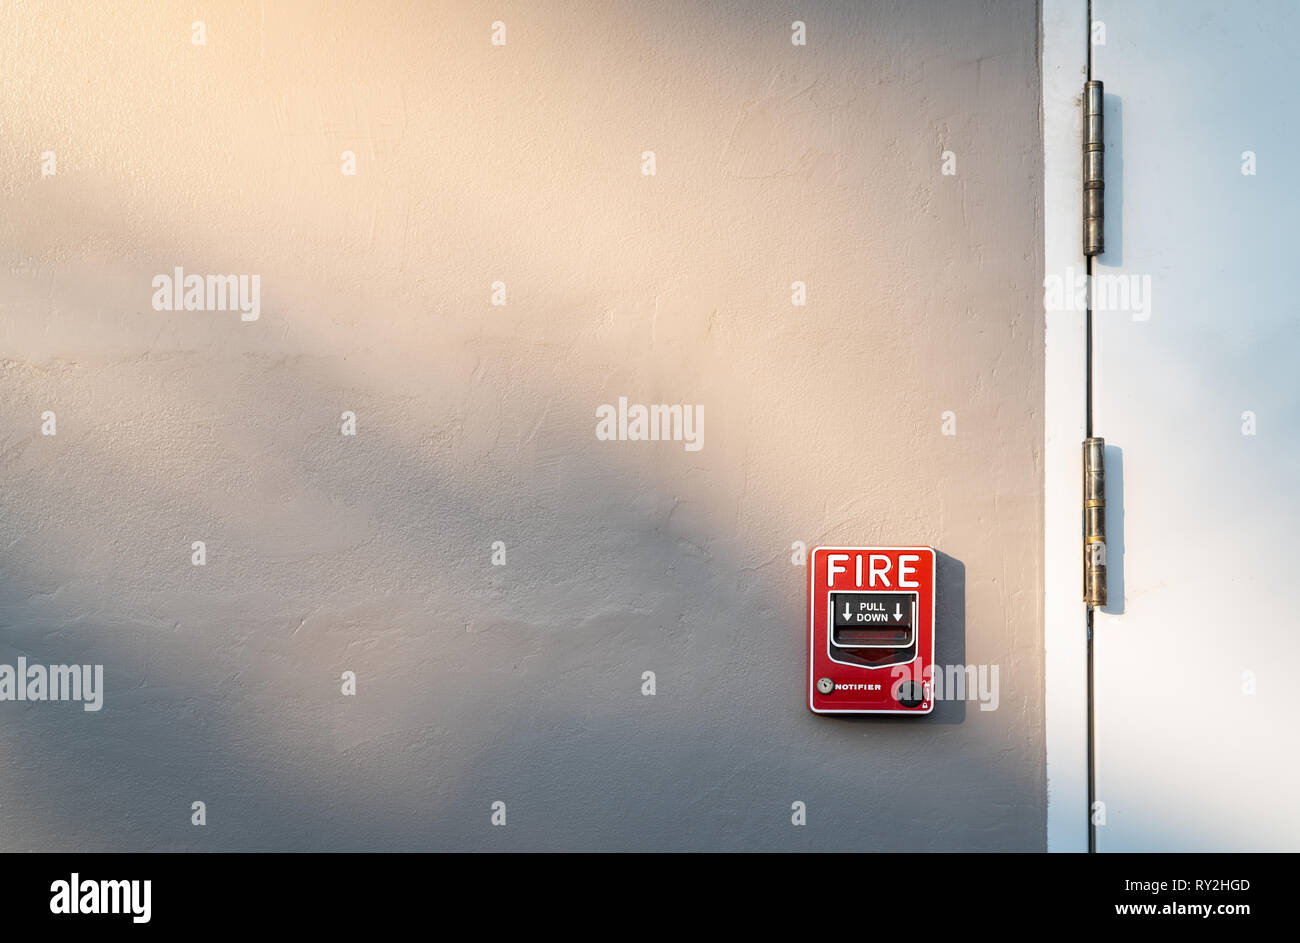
371 553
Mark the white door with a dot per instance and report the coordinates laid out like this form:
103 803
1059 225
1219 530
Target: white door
1197 656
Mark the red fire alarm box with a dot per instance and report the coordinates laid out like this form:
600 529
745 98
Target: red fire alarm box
871 630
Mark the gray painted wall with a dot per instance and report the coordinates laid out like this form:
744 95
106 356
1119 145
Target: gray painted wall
476 423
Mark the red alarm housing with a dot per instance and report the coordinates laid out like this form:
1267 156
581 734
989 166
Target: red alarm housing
871 630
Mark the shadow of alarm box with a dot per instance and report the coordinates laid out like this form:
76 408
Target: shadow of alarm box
871 630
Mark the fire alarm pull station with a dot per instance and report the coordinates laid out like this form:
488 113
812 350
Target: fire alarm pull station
871 630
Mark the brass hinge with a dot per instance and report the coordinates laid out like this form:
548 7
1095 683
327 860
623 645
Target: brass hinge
1094 172
1094 521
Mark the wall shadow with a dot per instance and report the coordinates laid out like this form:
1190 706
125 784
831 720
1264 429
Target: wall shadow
1114 530
1113 111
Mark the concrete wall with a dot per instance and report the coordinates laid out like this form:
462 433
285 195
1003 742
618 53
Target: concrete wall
476 423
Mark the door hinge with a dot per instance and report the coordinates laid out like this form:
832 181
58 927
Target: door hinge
1094 171
1094 521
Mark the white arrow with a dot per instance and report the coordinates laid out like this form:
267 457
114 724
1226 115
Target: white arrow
846 610
898 611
